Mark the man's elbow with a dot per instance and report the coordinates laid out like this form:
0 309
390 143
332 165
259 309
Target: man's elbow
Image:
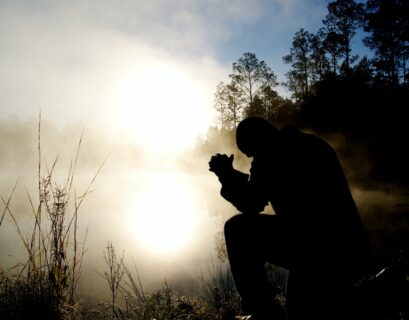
250 207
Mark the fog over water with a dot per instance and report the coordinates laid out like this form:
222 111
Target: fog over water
160 213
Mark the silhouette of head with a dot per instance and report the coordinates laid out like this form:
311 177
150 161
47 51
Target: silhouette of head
253 135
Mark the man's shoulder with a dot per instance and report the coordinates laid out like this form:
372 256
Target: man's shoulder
304 139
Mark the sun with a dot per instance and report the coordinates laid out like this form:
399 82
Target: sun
165 217
164 109
162 106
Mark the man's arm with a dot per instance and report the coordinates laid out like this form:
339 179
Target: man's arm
236 186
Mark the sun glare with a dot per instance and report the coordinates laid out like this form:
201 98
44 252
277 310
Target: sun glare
165 216
164 110
161 106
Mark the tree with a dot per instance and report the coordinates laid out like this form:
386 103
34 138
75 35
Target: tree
227 105
343 18
234 107
272 102
276 108
220 103
256 108
265 104
250 76
250 93
363 71
388 23
299 75
319 63
332 45
269 105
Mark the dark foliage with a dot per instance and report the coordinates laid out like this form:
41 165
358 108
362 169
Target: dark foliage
364 100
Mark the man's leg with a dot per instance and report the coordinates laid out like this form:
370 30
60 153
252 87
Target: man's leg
251 240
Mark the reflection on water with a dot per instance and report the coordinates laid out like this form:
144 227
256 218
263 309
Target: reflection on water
166 214
161 219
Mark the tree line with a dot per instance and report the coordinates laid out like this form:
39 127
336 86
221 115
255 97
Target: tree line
332 88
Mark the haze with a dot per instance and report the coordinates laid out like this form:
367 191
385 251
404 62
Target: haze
138 77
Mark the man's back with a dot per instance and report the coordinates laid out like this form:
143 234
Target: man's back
316 232
308 191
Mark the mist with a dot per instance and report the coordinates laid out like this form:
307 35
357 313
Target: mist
383 204
136 80
110 211
118 199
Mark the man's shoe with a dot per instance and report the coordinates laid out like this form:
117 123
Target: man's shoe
274 313
262 317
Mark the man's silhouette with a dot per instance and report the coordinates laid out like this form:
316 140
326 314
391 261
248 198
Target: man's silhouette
316 232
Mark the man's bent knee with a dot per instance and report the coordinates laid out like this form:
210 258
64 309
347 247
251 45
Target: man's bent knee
233 224
239 223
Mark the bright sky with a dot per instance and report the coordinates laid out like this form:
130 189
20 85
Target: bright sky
73 59
143 70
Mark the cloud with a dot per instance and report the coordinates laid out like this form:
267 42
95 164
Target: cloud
67 58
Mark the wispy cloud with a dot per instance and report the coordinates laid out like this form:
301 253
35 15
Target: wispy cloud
66 57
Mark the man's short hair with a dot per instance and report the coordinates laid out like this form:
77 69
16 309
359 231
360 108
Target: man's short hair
252 132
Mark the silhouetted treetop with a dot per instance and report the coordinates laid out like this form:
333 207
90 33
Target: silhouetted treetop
251 76
343 18
387 21
249 93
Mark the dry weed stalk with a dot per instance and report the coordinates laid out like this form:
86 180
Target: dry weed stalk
54 253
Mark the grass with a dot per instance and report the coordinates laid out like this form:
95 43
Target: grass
44 286
129 300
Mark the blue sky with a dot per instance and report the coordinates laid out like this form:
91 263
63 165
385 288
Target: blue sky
270 35
71 58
